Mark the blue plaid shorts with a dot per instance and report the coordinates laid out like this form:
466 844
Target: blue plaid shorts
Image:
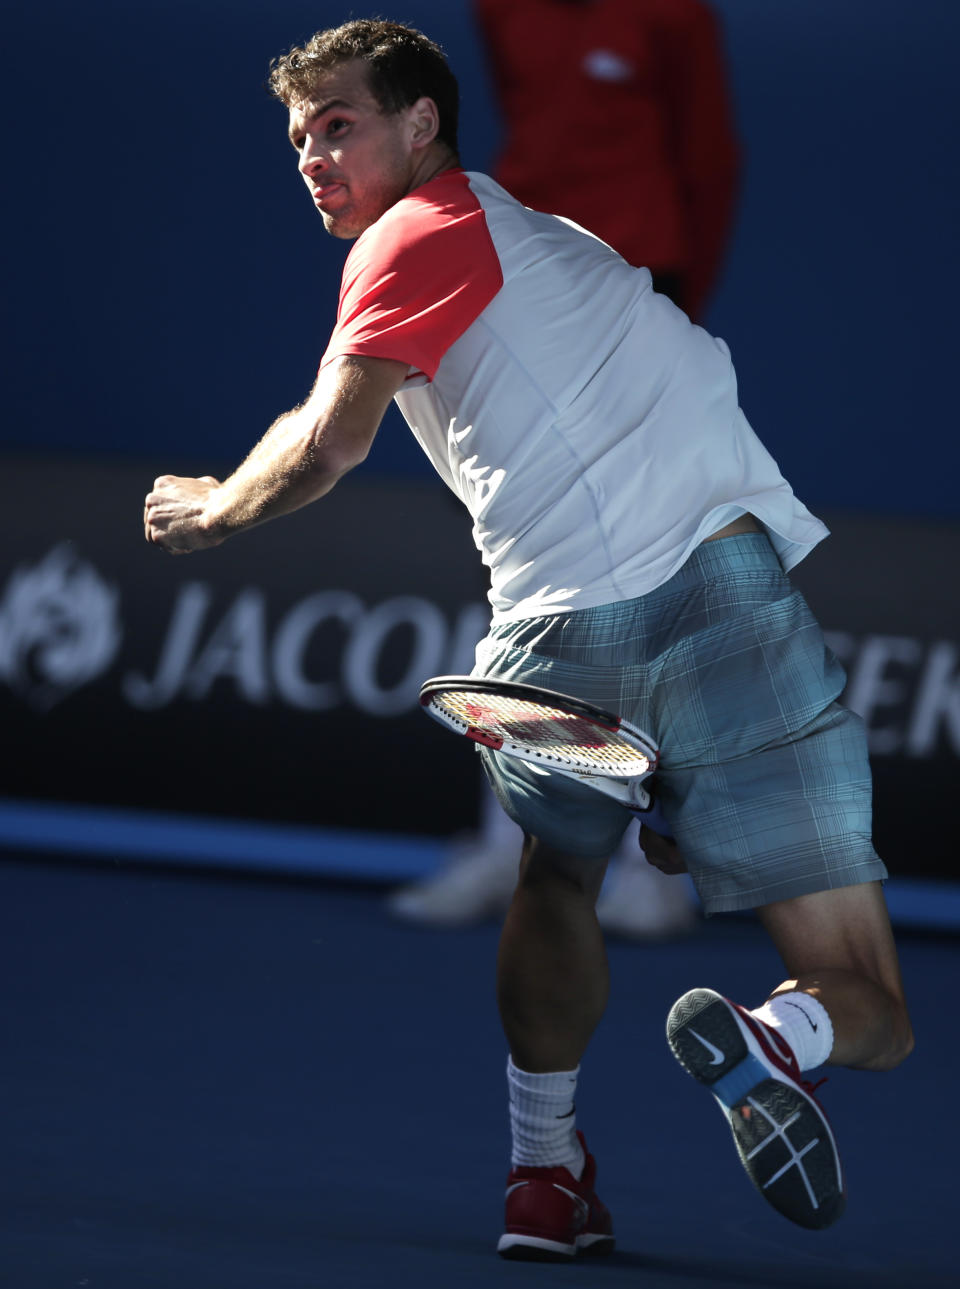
763 777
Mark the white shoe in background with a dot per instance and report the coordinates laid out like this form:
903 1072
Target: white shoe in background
638 902
477 882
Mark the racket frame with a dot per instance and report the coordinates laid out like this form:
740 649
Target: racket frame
629 791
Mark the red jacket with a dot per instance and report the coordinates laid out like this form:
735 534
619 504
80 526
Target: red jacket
617 115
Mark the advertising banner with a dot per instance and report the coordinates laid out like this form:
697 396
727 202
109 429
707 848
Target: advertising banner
275 678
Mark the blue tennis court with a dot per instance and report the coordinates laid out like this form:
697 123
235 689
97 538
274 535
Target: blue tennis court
214 1082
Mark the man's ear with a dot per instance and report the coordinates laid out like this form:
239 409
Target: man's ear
424 118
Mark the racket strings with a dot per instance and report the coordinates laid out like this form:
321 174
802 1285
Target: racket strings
554 734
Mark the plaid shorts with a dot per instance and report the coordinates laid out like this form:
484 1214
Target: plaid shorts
763 777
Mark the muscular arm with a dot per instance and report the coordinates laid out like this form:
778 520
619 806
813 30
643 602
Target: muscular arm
299 459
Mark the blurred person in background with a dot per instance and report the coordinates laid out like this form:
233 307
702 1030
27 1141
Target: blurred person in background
617 114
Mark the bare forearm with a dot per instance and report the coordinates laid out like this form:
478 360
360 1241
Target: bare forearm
299 459
287 469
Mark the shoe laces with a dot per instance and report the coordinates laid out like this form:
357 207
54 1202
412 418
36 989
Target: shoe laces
808 1086
812 1087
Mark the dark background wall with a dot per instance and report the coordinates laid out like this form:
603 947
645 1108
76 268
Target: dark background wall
170 288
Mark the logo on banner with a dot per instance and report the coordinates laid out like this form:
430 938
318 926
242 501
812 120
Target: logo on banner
374 659
59 627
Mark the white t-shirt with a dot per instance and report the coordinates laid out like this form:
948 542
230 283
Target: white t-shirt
592 431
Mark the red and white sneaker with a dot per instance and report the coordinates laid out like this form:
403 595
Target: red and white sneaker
551 1216
782 1135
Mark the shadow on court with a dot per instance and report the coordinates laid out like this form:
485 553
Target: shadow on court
218 1084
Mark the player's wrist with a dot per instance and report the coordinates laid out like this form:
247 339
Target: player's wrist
216 521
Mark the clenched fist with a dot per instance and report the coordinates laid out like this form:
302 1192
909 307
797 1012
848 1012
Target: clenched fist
176 514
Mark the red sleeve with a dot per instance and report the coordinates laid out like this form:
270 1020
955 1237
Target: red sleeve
417 278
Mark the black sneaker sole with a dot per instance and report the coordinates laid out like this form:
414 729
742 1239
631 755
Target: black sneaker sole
783 1138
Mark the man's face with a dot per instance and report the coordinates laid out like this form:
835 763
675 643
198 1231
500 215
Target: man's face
356 161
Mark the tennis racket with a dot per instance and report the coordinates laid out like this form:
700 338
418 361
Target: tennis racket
560 733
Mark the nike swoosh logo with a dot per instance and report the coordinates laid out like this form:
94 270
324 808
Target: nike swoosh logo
583 1208
716 1056
798 1008
582 1205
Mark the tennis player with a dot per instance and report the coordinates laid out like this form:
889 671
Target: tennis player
638 538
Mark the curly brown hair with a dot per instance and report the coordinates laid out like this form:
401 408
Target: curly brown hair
402 65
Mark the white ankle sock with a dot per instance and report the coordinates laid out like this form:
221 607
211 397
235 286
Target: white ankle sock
543 1119
803 1022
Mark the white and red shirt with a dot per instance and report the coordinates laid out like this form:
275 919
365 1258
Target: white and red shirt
592 431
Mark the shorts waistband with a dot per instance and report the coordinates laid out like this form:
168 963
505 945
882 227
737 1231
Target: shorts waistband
743 553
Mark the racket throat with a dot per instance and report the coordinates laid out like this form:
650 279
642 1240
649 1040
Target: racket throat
629 792
481 736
